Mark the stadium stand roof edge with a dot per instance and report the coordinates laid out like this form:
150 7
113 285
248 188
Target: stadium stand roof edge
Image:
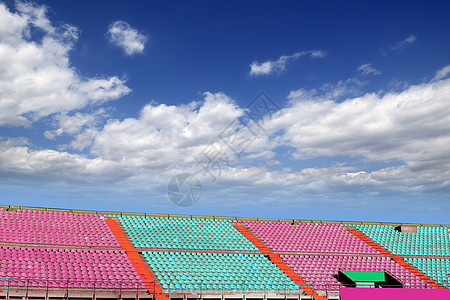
291 221
221 218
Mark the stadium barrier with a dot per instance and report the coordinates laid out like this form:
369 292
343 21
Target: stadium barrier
29 287
32 288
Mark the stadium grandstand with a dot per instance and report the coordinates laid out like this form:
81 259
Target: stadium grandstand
48 253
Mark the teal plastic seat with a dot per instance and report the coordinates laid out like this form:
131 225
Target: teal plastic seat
184 233
212 271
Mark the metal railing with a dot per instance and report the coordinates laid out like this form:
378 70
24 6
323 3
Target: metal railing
179 289
221 290
46 287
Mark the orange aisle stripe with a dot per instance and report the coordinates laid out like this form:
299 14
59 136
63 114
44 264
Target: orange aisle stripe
396 258
278 261
135 258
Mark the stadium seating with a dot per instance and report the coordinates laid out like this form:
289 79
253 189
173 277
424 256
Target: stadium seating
428 241
319 270
437 269
308 238
184 233
177 270
156 255
34 227
76 267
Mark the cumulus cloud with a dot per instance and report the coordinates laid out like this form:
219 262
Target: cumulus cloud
279 65
165 134
121 34
20 162
74 124
36 78
367 69
162 139
411 127
408 132
375 126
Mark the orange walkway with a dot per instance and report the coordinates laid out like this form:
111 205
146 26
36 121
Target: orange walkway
396 258
136 259
276 259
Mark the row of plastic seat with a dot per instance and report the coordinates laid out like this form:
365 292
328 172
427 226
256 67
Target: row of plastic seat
76 284
428 241
55 228
40 265
177 270
320 270
437 269
179 233
308 238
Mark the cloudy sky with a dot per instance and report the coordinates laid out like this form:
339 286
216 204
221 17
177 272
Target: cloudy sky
317 110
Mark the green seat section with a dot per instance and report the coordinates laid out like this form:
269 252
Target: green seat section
217 271
184 233
437 269
428 241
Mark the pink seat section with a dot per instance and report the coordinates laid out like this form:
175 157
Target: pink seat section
33 227
309 238
319 270
75 268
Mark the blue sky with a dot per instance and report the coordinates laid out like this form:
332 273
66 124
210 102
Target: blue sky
102 103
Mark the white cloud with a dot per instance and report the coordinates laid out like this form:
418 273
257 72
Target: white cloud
378 127
165 135
343 89
163 139
126 37
411 39
74 124
318 54
36 78
408 131
278 66
36 16
367 69
20 162
411 127
442 73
